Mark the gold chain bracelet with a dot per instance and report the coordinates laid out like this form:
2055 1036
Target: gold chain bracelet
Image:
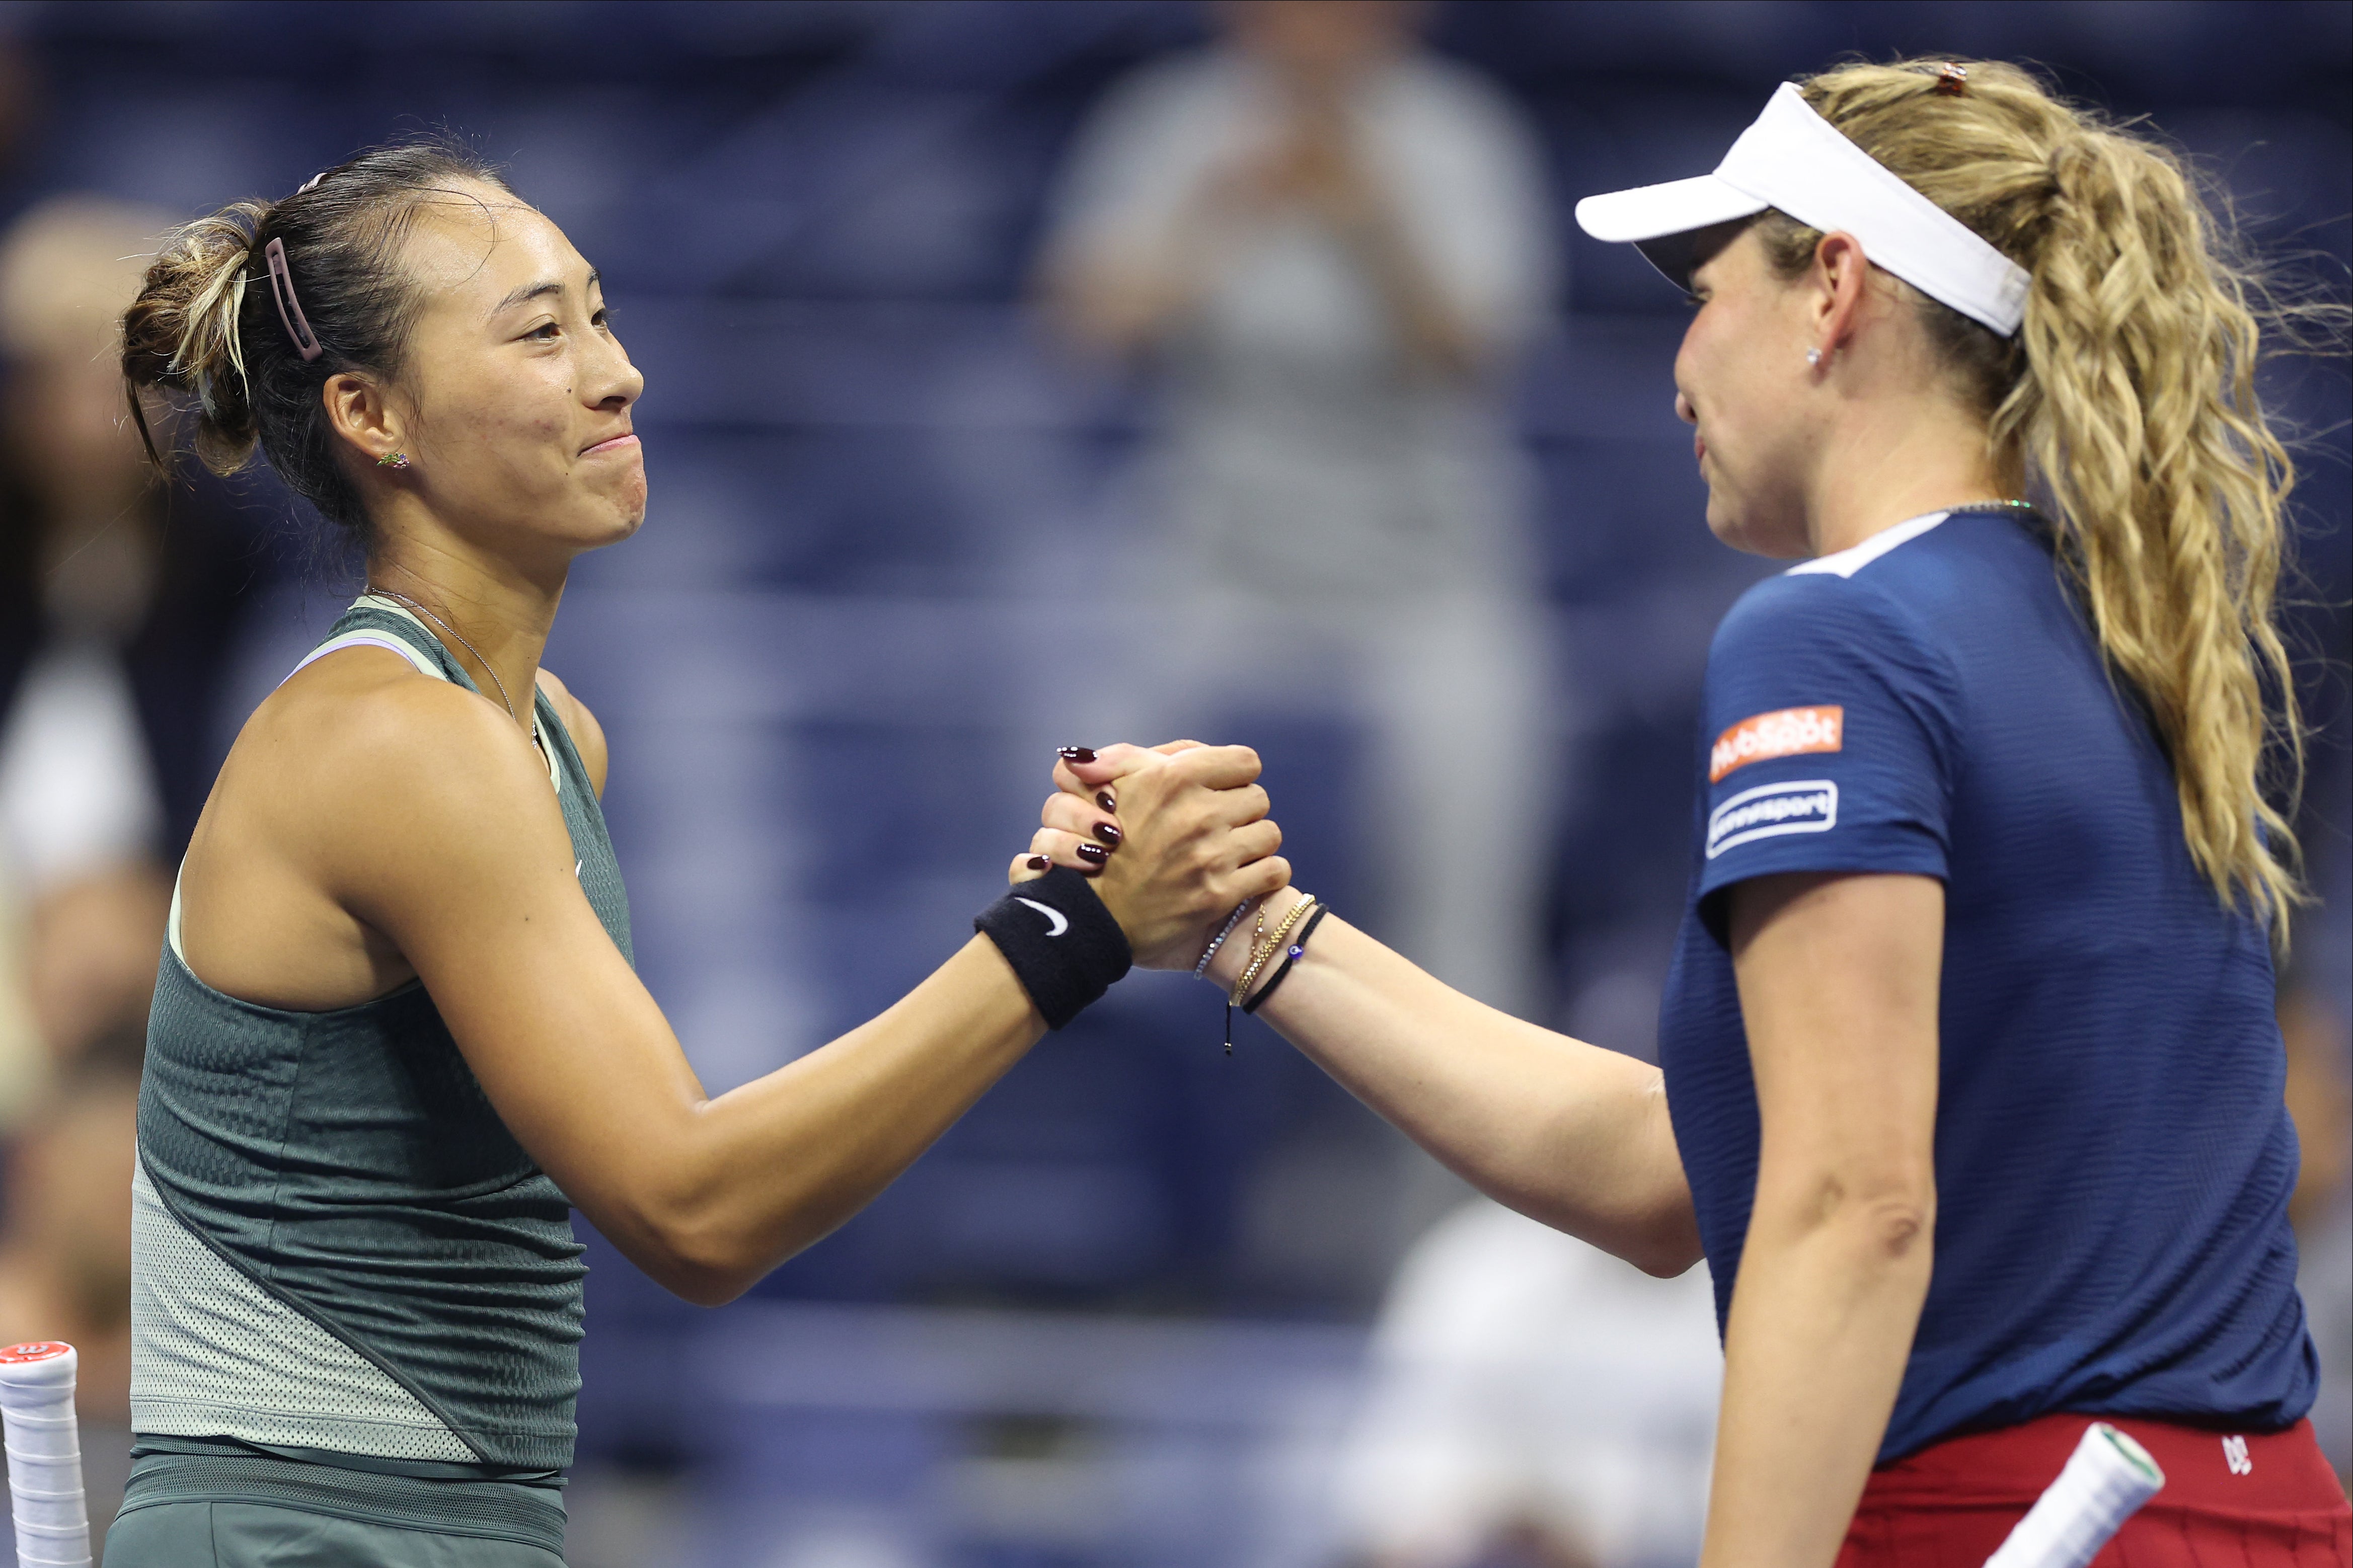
1266 947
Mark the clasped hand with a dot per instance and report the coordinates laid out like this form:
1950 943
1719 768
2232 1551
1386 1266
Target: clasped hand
1174 835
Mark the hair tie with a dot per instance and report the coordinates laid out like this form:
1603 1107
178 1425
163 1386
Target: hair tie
290 309
1952 80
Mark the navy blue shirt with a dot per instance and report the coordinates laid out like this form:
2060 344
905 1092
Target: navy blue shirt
2113 1155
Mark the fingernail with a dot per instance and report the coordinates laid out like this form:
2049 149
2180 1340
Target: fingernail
1077 754
1107 799
1039 863
1094 854
1109 833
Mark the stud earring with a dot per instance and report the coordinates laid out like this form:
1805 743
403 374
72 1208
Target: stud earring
1813 356
392 460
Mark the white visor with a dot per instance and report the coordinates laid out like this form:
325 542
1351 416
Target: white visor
1796 162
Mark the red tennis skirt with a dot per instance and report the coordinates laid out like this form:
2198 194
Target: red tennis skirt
2230 1499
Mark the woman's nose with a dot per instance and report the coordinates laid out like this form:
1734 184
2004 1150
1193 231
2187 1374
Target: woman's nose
1685 411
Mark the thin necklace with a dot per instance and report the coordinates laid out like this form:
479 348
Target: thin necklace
469 647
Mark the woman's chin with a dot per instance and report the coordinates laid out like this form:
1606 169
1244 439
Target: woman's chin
1736 527
617 513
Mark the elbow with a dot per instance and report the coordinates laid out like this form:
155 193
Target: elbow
705 1287
1669 1244
1887 1217
699 1269
1899 1228
1667 1261
694 1252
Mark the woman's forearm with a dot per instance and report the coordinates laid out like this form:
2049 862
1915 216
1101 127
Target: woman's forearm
1830 1292
744 1181
1562 1130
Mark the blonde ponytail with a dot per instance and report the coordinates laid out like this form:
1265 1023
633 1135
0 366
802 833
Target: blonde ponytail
2127 405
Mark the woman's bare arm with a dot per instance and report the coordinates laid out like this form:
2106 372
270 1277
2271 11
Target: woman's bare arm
1564 1132
446 840
1839 978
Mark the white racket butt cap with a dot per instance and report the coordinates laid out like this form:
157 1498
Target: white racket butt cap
2105 1481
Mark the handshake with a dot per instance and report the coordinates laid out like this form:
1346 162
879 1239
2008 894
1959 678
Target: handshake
1174 836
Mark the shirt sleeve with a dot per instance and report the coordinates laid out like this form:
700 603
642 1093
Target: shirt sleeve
1830 728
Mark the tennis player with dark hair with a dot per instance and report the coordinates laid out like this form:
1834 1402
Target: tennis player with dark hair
398 1031
1971 1090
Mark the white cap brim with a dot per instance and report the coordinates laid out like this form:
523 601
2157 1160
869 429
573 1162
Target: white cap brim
1650 212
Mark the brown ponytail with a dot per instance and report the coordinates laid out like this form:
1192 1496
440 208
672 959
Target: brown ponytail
206 325
183 332
2127 405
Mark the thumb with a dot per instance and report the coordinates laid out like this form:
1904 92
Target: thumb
1091 769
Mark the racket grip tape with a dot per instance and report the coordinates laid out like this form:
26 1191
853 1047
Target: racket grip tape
44 1444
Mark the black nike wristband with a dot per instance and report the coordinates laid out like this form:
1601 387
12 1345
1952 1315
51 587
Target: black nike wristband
1063 946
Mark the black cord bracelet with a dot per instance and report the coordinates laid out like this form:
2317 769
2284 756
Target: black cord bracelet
1298 951
1063 946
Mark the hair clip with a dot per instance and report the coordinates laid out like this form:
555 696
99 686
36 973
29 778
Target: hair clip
1952 80
290 309
310 183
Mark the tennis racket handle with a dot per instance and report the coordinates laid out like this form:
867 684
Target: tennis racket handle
37 1408
2105 1480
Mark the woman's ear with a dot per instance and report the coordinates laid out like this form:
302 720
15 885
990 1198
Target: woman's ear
1840 280
361 415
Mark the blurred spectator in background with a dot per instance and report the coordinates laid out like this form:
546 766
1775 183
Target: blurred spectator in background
1533 1403
84 830
82 819
1327 242
118 600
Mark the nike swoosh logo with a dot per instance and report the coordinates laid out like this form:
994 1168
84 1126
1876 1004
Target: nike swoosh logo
1056 921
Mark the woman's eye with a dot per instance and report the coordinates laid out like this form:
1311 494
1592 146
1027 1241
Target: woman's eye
546 331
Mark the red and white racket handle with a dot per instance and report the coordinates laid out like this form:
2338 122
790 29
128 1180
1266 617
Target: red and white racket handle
2104 1482
36 1407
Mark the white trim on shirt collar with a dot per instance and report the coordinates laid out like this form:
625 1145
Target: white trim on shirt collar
1848 562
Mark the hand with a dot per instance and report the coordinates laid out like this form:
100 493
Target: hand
1176 837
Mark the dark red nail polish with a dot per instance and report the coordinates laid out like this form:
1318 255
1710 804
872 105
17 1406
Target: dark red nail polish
1094 854
1107 799
1077 754
1109 833
1039 863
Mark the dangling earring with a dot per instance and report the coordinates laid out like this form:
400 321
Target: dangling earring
392 460
1813 356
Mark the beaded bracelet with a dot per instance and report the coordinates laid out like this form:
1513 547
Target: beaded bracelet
1218 941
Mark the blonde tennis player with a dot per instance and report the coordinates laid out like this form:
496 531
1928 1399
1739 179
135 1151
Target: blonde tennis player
1972 1084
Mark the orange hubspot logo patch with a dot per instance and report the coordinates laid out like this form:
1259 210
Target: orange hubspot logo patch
1786 733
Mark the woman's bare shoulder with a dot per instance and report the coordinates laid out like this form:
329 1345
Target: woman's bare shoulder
362 737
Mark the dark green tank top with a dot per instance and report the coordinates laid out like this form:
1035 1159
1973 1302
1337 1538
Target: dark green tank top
401 1282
